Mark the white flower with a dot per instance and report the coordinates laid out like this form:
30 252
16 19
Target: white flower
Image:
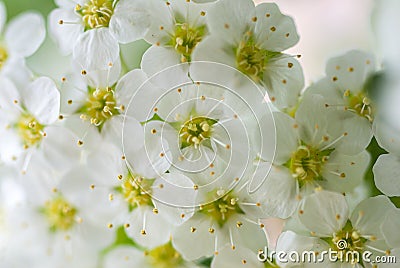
100 101
177 27
345 89
309 155
93 29
251 39
28 125
326 215
62 221
223 217
21 38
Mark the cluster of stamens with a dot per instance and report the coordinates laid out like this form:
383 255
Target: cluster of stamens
348 240
30 130
195 131
96 13
360 104
164 256
307 162
223 208
60 214
135 191
186 38
250 59
3 56
100 106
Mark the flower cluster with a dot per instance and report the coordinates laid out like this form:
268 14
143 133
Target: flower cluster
193 158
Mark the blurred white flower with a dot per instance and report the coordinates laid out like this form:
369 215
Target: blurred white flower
93 29
20 38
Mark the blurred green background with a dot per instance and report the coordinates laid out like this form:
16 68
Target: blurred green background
17 6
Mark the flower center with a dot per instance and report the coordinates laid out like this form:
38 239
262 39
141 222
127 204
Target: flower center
3 56
348 240
252 60
360 104
96 13
29 130
60 214
307 162
186 38
195 131
223 208
164 256
135 191
100 106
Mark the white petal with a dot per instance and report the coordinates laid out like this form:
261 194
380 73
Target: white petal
369 215
177 190
235 258
324 213
283 83
139 95
386 135
42 99
343 173
65 35
390 228
214 49
237 19
284 35
3 16
354 68
312 119
96 49
9 94
387 174
273 229
286 136
278 193
124 257
157 230
129 21
133 138
201 241
358 129
25 33
104 78
151 63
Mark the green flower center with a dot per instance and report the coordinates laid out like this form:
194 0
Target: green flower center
196 131
360 104
30 130
3 56
164 256
223 208
252 60
100 106
186 38
307 162
135 191
60 214
347 241
96 13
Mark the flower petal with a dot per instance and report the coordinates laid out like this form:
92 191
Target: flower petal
42 99
236 258
96 49
3 16
283 35
129 21
387 174
25 33
368 216
324 213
